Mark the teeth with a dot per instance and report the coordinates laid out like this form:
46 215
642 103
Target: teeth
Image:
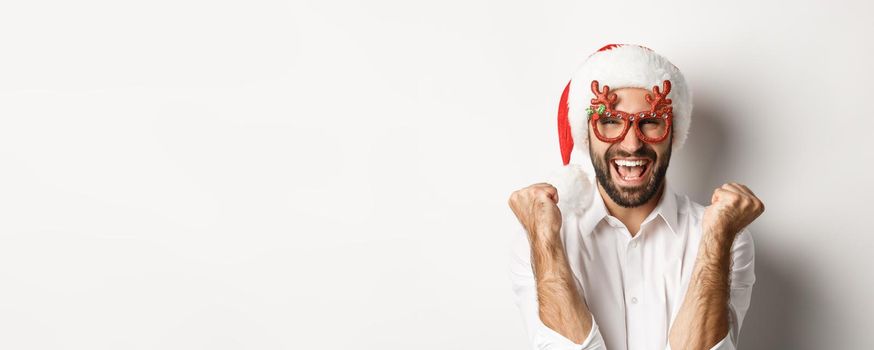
622 162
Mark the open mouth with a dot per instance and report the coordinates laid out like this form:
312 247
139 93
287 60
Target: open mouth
630 171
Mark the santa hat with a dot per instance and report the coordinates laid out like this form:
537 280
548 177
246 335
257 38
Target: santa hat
618 66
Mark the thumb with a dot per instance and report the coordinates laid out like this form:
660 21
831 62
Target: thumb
551 193
715 197
548 197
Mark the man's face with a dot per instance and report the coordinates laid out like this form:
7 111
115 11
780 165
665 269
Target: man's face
630 185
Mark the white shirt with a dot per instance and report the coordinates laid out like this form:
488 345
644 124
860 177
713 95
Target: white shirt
633 287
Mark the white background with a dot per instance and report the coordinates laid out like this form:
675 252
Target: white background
329 175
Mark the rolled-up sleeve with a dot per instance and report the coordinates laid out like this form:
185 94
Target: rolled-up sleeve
540 336
742 278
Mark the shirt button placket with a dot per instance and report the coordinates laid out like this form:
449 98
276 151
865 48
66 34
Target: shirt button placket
635 311
635 273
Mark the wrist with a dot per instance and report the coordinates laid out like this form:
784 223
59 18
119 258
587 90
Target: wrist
722 233
548 243
545 234
717 243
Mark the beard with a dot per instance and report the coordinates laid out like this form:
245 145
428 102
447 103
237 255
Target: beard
630 197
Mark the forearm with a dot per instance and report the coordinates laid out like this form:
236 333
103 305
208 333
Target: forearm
561 306
703 318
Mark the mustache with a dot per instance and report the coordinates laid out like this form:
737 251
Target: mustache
643 152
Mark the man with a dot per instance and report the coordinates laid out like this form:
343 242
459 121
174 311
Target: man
627 264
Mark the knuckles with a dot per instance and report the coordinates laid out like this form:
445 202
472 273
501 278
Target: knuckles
743 201
536 189
531 192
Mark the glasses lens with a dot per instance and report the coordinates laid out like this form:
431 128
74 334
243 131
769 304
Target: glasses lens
610 127
653 127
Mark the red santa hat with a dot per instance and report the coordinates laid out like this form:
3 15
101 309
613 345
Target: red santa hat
618 66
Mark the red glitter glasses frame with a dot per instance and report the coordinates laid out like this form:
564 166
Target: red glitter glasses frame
660 108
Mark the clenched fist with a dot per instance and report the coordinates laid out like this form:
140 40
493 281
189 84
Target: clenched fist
733 207
536 208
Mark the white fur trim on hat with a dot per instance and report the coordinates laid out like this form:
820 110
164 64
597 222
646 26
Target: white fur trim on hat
574 188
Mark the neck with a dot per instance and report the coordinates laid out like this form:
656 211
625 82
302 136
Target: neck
631 217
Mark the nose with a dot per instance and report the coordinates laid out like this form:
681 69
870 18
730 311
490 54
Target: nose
631 142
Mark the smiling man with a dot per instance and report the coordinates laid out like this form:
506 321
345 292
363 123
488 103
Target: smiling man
626 263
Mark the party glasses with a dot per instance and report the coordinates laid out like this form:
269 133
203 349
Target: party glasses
610 125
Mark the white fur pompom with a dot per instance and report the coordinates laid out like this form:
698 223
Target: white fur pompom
574 188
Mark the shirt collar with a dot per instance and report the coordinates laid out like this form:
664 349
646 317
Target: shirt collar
666 209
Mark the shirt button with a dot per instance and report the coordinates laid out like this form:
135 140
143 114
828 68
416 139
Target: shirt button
634 300
634 244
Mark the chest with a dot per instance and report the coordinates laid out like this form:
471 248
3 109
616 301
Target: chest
634 285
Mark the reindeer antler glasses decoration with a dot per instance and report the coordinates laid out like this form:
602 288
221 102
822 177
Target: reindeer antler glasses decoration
611 125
